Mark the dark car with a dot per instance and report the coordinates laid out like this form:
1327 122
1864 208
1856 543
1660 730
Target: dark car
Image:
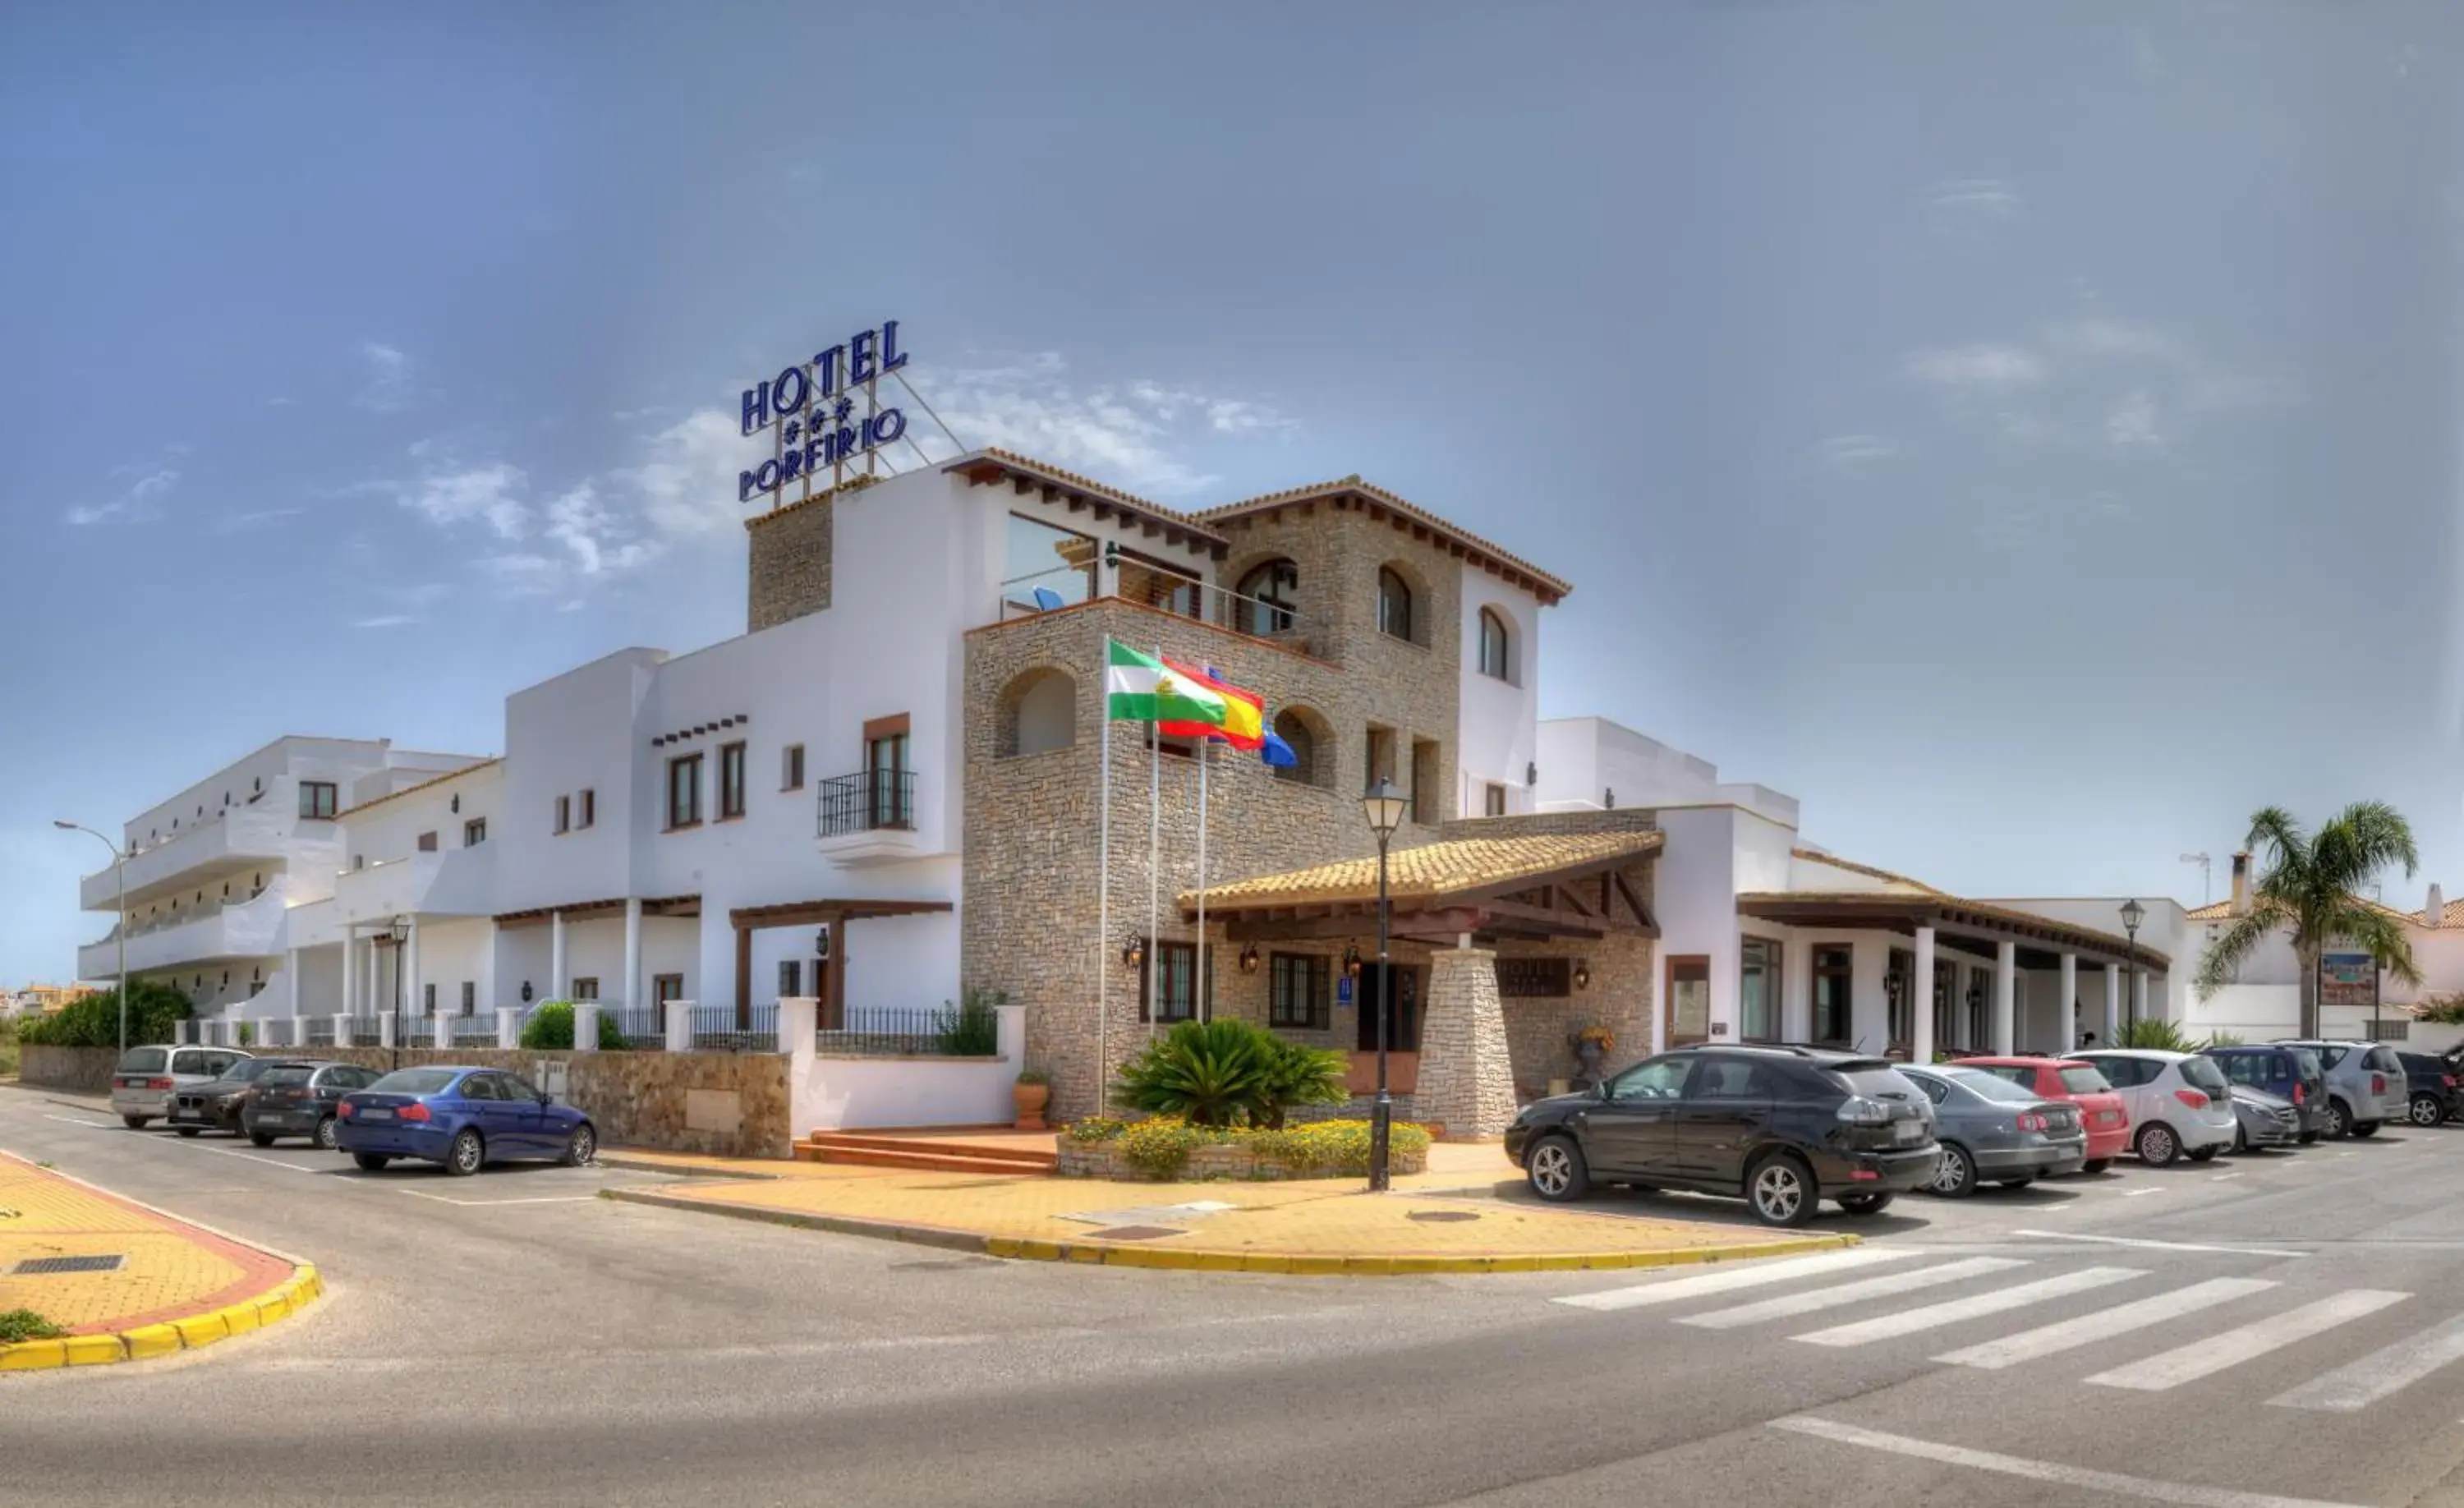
1992 1130
462 1118
215 1105
300 1098
1781 1127
2430 1079
2288 1073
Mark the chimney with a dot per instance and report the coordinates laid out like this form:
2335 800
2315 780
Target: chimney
2434 911
2241 884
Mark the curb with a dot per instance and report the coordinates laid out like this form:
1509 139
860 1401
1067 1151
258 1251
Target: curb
643 1165
1187 1259
146 1341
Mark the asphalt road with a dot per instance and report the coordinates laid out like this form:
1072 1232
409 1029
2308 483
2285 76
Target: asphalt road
2287 1327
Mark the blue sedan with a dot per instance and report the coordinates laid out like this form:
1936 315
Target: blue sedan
462 1118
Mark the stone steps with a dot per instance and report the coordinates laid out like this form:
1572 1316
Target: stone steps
858 1150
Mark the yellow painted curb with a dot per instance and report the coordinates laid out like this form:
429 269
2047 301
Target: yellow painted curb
146 1341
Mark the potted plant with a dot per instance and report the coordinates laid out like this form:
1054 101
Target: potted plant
1029 1095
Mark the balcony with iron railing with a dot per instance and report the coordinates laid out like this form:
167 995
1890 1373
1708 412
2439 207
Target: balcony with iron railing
241 928
250 834
868 817
1277 622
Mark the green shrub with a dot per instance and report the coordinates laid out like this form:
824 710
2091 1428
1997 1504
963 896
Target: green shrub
2223 1039
971 1028
549 1029
25 1324
1094 1128
1160 1147
1335 1146
2446 1010
154 1014
2164 1037
8 1047
1207 1073
1295 1073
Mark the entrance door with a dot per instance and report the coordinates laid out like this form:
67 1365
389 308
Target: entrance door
1686 1002
1403 1025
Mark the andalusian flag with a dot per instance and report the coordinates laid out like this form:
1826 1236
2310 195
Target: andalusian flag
1143 689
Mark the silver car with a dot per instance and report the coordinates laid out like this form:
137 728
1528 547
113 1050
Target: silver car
1990 1131
2265 1119
2365 1084
146 1078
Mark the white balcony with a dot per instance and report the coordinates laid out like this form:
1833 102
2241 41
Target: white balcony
238 838
869 819
455 882
247 928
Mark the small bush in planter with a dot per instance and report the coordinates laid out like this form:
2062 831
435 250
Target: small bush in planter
1223 1072
1094 1129
549 1029
1161 1146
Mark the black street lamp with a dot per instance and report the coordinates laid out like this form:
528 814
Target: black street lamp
1384 807
399 929
118 933
2132 915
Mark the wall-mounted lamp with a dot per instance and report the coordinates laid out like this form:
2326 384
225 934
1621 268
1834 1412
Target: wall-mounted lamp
1134 952
1352 960
526 991
821 945
1608 799
1249 959
1530 773
1582 973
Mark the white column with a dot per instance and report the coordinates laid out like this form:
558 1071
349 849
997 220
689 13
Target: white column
629 993
679 1026
291 973
2112 1033
1869 1002
350 971
1920 988
2067 1011
2006 968
509 1026
798 1018
300 1031
2139 995
389 1029
1796 990
342 1031
585 1026
407 965
559 982
374 993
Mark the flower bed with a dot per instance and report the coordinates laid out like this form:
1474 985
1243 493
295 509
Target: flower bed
1165 1151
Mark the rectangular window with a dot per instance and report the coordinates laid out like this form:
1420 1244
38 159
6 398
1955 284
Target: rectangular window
1901 985
316 799
1977 1035
590 807
474 832
1175 981
890 791
470 998
586 987
731 781
1689 1000
684 792
427 998
1492 799
667 986
1834 971
1758 991
791 768
791 978
1946 980
1300 996
1426 786
427 842
564 813
1046 568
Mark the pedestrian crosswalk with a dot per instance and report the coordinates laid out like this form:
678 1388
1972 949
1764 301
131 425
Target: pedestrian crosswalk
2160 1333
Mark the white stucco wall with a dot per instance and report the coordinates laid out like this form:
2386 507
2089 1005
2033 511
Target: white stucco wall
1498 732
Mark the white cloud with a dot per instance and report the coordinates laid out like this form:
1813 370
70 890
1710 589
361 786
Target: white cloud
594 536
263 515
1972 207
488 493
1844 451
135 505
2100 382
387 620
385 386
282 402
1976 366
2133 420
686 480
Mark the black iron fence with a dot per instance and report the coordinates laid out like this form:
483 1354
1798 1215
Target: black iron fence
366 1031
473 1031
948 1030
641 1028
321 1031
725 1029
875 799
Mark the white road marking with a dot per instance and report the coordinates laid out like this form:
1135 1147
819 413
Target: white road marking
2113 1483
2133 1194
1908 1322
2216 1354
2222 1178
2051 1339
1789 1305
71 1120
270 1161
1752 1275
568 1199
2160 1246
2351 1389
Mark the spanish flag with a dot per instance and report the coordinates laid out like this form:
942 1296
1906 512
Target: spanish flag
1245 712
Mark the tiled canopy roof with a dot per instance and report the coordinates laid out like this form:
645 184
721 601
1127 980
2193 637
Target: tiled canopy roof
1451 868
1472 547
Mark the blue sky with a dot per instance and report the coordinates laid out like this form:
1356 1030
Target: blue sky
2025 435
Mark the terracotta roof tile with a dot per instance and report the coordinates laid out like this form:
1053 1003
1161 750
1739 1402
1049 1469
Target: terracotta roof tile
1450 866
1550 586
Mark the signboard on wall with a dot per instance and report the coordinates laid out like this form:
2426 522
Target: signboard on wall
1535 979
2346 978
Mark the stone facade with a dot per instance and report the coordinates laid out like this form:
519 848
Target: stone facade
721 1104
79 1070
787 571
1467 1083
1103 1159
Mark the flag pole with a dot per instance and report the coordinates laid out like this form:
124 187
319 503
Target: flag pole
1154 869
1202 1002
1103 891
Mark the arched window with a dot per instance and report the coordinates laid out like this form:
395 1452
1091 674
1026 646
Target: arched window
1394 603
1037 714
1496 653
1312 749
1270 593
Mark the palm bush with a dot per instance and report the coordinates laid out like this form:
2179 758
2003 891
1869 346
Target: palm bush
1296 1073
1204 1072
2164 1037
2309 893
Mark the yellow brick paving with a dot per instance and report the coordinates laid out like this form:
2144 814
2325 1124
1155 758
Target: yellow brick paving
1329 1226
179 1286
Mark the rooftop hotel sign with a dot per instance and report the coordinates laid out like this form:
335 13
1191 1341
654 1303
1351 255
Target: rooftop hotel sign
810 411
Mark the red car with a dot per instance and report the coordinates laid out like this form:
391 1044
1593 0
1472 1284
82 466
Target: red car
2101 1110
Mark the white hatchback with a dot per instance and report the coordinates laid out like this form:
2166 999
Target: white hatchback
2180 1103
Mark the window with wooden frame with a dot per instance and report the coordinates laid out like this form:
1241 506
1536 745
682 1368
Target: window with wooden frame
667 986
427 842
791 768
791 978
1425 784
1496 649
1492 799
1978 1034
1299 994
731 781
474 832
1393 604
590 808
1900 991
1835 973
684 792
427 998
1173 978
586 987
890 785
470 998
1945 1021
564 813
1758 990
316 799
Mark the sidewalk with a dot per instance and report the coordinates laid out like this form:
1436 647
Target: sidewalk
1332 1226
175 1286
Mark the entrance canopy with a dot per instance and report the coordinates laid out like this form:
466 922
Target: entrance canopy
1960 925
746 920
1558 886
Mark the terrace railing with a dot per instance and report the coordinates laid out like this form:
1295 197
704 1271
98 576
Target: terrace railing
724 1029
948 1030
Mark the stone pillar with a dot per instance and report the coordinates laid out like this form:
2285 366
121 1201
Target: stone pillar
388 1029
2006 971
679 1026
559 982
585 1026
509 1026
342 1031
1466 1076
2066 1007
630 992
1921 998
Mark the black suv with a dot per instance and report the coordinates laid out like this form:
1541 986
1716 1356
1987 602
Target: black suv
2431 1079
1781 1127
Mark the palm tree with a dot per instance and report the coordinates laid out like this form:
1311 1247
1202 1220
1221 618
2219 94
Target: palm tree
2308 891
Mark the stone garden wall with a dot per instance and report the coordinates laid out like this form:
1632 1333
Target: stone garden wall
1103 1159
79 1070
722 1104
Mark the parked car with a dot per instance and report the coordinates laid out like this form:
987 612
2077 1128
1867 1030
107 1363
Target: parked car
2365 1085
146 1078
2289 1073
1781 1127
2102 1112
1993 1131
2263 1119
462 1117
301 1099
2430 1090
2180 1103
215 1105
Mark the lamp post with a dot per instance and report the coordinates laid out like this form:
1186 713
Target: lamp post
1384 807
2132 914
399 929
119 932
